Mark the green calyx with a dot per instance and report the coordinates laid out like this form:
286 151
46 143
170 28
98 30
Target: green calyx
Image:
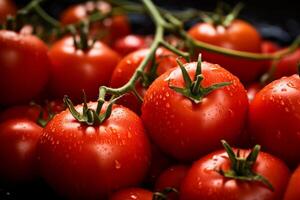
193 89
90 116
241 168
219 18
163 195
81 36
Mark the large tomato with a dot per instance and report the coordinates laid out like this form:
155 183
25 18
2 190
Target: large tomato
90 162
274 118
18 140
73 69
6 8
239 35
23 67
132 194
204 180
185 129
127 66
292 191
115 27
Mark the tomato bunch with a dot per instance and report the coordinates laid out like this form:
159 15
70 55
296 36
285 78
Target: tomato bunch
153 116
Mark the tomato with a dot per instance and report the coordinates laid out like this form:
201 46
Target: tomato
116 26
239 35
292 191
287 65
204 181
130 43
18 139
90 162
175 122
6 8
171 178
24 67
269 47
132 194
274 118
74 70
127 66
159 163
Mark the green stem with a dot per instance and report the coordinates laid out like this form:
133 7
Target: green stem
239 54
47 18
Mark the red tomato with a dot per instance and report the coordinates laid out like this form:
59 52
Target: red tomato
24 67
292 191
274 118
159 163
6 8
287 66
239 35
127 66
90 162
175 122
171 178
116 26
203 181
269 47
129 43
74 69
18 139
132 194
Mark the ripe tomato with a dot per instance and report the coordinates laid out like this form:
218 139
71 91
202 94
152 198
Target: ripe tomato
203 181
175 122
6 8
274 118
171 178
90 162
116 26
287 66
132 194
127 66
130 43
24 67
239 35
292 191
73 69
18 139
269 47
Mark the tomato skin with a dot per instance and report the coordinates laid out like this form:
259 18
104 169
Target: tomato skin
287 66
239 35
204 182
6 8
90 162
73 70
292 191
24 67
171 178
18 139
269 46
129 43
174 122
132 194
127 67
274 117
116 26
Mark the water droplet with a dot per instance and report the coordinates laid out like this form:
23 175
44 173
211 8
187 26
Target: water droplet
57 142
167 105
283 89
291 85
167 94
282 102
230 112
117 164
287 109
129 135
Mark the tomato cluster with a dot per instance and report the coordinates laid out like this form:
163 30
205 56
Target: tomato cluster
157 126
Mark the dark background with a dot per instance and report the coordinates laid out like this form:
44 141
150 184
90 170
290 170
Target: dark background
276 20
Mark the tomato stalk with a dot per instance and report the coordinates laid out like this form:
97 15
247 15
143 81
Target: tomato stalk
193 89
241 168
